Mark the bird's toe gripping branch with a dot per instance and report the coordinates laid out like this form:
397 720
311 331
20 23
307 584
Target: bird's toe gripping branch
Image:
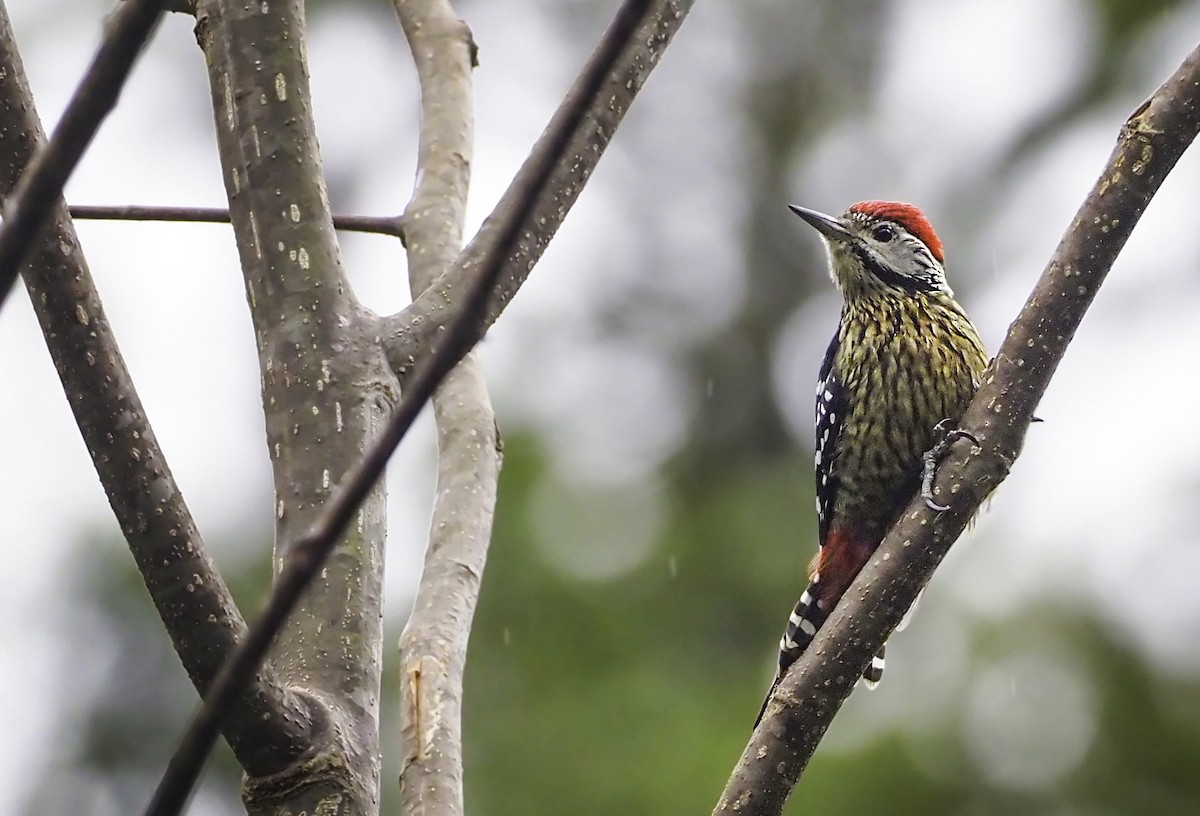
934 455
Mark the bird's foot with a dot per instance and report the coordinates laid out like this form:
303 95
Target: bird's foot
934 455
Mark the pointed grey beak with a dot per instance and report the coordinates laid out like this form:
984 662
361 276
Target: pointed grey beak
827 225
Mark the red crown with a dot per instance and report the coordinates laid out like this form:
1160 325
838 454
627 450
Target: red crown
907 216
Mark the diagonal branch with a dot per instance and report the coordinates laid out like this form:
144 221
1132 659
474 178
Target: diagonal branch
423 322
433 648
189 593
27 208
308 552
1150 144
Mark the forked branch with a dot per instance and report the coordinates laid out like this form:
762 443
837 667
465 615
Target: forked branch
1150 144
465 325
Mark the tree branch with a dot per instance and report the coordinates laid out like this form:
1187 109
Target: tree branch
380 224
433 647
308 553
423 322
1150 144
326 389
188 592
27 208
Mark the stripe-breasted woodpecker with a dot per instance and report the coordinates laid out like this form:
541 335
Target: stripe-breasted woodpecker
905 361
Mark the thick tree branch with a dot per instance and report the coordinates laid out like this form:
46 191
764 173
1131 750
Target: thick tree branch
28 207
310 551
380 224
189 593
433 647
1150 144
326 389
423 322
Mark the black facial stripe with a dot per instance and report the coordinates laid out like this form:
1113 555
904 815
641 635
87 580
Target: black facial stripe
890 277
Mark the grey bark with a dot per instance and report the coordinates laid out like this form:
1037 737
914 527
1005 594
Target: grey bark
434 643
327 781
191 597
326 389
1149 145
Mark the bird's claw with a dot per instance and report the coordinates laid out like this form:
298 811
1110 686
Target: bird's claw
934 455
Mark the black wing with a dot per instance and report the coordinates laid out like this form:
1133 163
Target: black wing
831 405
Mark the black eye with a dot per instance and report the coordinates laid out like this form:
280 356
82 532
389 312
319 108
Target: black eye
883 233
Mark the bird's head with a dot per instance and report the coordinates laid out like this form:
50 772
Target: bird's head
881 247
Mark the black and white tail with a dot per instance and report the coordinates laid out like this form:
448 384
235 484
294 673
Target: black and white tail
807 617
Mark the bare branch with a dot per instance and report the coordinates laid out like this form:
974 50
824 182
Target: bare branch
27 208
1150 144
424 321
380 224
325 388
433 647
189 593
307 553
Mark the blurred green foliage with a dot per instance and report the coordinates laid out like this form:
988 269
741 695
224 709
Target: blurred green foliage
636 694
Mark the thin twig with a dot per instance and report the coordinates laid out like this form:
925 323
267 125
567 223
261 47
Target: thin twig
27 210
1151 142
381 224
310 550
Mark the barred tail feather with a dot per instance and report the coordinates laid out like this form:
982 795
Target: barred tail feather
802 626
807 617
873 673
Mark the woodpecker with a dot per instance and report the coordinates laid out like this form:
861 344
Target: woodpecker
904 363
